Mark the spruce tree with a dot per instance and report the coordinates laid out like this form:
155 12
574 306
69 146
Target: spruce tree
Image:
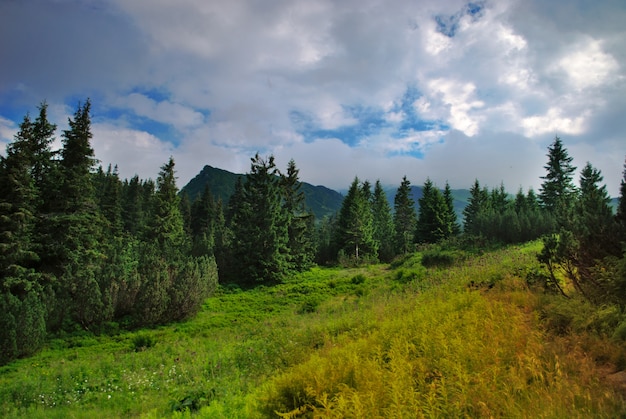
404 218
77 228
594 225
557 192
354 224
432 223
452 225
259 225
22 311
383 223
478 203
621 206
300 220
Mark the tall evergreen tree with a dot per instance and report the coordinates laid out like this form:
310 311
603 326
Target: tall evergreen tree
432 223
452 225
77 228
354 226
557 193
621 207
478 203
383 223
167 224
22 313
259 225
594 227
404 217
300 220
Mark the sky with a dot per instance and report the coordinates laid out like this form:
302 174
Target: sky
380 89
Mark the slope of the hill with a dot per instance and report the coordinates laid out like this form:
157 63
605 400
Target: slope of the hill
471 339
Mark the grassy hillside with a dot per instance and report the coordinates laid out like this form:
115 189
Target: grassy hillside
473 339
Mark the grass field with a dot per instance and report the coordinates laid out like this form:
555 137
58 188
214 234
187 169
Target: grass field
472 339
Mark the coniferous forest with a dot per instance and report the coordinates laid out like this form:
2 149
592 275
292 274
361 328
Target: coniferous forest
83 251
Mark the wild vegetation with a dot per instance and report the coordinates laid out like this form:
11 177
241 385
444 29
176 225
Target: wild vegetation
126 298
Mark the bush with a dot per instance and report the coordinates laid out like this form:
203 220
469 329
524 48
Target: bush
358 279
142 342
439 258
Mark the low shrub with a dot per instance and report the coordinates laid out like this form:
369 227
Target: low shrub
437 258
142 341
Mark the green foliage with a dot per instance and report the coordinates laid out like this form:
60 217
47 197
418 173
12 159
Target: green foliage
355 229
143 341
259 224
382 220
433 221
404 218
557 192
438 258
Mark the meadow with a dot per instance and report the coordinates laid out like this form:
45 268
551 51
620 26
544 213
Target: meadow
472 335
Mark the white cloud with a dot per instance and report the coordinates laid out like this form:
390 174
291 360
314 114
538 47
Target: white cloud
164 111
586 64
231 74
135 152
554 122
460 101
8 129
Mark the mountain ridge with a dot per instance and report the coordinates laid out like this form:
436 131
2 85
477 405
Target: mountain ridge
323 201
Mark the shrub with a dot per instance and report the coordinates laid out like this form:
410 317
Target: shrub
432 258
358 279
141 342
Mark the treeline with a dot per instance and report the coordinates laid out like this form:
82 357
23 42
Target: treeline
82 249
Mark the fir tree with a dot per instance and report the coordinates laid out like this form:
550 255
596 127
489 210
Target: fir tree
77 228
300 224
478 203
621 207
354 225
259 225
452 225
383 223
432 223
404 217
22 313
557 193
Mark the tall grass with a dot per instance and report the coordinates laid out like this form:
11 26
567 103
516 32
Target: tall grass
469 340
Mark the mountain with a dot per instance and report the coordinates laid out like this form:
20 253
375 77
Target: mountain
321 200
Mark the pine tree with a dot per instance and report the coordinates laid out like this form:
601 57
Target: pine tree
77 229
300 224
167 225
594 225
202 224
557 193
621 207
404 217
478 203
259 225
383 223
452 225
355 225
22 313
432 223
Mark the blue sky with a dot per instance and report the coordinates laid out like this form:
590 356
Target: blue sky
446 89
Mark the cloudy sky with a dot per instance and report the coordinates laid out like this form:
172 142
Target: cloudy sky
378 89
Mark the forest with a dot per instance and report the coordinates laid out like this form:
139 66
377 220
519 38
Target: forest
85 252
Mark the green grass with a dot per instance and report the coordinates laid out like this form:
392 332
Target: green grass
467 340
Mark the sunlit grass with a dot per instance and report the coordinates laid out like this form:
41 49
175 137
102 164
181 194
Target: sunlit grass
470 340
